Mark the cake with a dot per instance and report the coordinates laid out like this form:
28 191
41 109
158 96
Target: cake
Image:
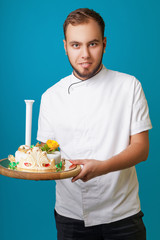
41 157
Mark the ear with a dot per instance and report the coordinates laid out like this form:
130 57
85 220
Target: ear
65 46
104 43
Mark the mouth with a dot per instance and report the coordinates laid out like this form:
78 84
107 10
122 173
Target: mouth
85 64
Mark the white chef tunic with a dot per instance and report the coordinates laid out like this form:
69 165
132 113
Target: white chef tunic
94 119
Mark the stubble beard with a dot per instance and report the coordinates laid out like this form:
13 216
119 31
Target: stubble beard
88 75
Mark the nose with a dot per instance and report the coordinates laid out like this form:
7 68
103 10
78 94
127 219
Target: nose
85 52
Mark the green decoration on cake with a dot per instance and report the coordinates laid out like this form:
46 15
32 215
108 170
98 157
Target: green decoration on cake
13 165
59 166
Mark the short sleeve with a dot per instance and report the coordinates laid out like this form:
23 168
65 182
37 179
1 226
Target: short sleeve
140 120
45 130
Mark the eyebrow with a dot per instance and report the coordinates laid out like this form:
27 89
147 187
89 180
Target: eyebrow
75 42
94 40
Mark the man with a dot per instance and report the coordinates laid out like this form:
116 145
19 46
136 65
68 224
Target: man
100 119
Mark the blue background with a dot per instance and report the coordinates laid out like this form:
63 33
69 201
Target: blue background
32 58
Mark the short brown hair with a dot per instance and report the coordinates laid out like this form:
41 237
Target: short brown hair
82 15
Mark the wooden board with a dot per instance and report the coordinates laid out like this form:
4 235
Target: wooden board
39 175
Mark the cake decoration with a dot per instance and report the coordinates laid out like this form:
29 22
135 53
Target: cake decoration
41 157
50 146
29 106
59 166
12 164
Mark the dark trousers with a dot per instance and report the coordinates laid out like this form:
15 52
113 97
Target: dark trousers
131 228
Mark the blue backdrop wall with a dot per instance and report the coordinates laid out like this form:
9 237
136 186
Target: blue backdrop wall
32 59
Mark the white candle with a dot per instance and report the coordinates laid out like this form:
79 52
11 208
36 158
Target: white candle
29 104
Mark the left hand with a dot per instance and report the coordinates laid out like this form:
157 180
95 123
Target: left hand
91 168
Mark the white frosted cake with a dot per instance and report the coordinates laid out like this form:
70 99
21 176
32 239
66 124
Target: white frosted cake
41 157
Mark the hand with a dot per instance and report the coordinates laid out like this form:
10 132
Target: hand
91 168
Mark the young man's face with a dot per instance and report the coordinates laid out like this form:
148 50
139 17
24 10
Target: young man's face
85 46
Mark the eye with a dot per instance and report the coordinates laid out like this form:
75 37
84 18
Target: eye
75 45
93 44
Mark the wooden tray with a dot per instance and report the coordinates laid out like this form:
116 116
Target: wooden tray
39 175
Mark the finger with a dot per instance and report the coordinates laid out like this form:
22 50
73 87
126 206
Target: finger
79 176
76 178
77 162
